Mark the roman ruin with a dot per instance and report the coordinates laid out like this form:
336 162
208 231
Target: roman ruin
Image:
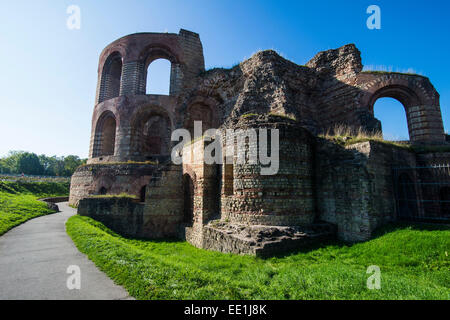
322 189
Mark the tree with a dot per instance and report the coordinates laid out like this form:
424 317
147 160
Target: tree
71 163
3 167
11 161
29 163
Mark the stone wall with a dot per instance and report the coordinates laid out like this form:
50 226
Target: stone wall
123 215
163 208
355 185
160 216
206 190
283 198
262 241
114 178
137 51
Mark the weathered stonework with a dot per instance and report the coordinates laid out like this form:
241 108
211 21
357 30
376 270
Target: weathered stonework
262 241
321 188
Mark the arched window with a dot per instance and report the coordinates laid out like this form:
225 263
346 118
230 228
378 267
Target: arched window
105 135
150 134
392 116
158 77
155 136
111 77
199 112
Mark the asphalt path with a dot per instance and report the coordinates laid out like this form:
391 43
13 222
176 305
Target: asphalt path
38 260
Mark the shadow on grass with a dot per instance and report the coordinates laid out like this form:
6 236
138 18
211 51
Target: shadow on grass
411 225
308 248
378 233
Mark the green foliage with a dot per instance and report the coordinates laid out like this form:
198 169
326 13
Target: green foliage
18 162
29 163
414 264
38 189
18 201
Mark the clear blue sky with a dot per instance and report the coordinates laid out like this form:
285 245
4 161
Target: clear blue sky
49 73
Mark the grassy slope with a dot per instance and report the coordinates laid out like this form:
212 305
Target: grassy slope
414 265
18 201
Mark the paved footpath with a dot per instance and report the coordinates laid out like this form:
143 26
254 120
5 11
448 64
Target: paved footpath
34 258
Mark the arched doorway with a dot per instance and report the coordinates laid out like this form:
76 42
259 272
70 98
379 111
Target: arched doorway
188 193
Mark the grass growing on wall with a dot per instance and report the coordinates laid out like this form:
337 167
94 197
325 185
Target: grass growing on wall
18 201
413 260
345 135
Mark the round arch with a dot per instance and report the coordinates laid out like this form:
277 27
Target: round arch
407 97
157 51
111 77
418 97
391 114
159 84
198 112
200 109
151 127
105 135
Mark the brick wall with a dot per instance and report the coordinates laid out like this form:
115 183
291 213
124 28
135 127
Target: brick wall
355 185
115 178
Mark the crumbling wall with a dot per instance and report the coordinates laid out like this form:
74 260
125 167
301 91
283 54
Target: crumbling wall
355 185
206 202
163 208
113 178
284 197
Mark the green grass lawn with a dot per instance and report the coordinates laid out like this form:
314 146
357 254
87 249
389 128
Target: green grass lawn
18 201
414 264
